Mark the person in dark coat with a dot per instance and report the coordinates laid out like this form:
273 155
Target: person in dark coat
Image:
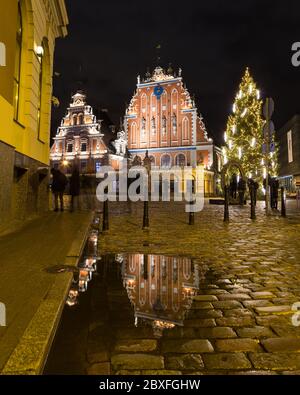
74 187
233 186
274 194
59 182
241 190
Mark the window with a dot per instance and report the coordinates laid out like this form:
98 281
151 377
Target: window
17 71
166 161
98 167
185 129
80 119
83 147
152 159
70 147
290 146
41 86
180 160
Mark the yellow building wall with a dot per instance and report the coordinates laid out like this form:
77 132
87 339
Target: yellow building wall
38 26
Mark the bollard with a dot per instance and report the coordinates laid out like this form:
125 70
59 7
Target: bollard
146 215
226 203
191 218
105 222
283 210
192 202
252 196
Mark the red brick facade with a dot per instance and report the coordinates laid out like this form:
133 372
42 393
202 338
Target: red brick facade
162 118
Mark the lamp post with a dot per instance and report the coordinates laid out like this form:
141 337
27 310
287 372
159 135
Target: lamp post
147 165
105 219
191 213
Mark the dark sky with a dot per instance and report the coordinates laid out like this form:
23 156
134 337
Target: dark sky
212 41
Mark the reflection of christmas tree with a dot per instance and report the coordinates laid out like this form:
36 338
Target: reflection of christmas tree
244 132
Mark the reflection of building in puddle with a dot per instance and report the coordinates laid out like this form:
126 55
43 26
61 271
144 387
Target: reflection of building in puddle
72 299
86 268
161 288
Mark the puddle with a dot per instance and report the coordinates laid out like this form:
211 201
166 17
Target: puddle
122 296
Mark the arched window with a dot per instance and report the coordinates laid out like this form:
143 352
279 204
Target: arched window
180 160
133 133
165 161
17 71
152 159
185 129
75 119
80 119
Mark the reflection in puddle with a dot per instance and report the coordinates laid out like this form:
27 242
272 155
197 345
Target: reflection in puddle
160 288
120 299
86 268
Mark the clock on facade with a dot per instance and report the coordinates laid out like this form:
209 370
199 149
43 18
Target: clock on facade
158 90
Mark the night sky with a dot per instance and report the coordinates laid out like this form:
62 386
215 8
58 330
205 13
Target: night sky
111 42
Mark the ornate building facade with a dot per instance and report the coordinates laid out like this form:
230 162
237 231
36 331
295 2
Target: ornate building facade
80 139
163 119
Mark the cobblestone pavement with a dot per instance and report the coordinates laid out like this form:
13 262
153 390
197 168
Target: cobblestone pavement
240 323
25 257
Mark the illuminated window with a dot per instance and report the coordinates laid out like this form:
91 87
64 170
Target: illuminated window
17 71
98 167
41 58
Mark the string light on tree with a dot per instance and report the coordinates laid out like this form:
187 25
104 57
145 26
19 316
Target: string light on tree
244 136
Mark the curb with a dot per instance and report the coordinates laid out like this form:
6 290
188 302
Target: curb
30 355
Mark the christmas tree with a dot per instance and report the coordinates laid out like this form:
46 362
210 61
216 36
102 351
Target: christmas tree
244 133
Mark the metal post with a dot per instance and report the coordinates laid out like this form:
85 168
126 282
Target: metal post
191 213
146 215
226 203
191 218
105 222
283 210
252 193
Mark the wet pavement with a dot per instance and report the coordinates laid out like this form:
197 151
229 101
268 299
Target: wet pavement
25 282
214 298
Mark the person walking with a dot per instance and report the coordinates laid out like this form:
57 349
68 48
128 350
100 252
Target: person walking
59 182
275 188
241 190
74 187
233 186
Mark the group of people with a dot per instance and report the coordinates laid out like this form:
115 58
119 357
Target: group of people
59 184
238 189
